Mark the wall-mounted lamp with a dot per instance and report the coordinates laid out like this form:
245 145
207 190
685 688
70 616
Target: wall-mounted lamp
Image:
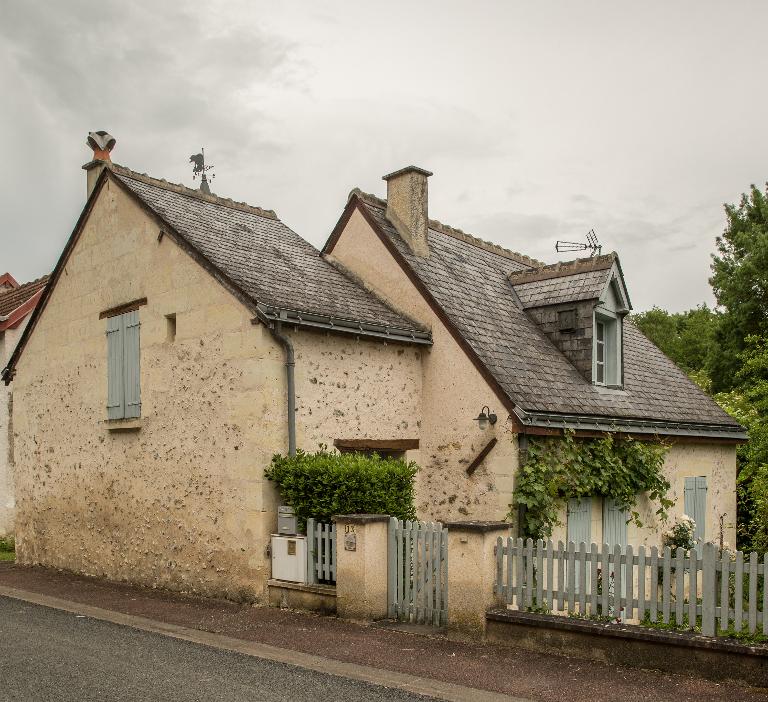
485 417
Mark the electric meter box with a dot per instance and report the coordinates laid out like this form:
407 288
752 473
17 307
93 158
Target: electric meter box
289 558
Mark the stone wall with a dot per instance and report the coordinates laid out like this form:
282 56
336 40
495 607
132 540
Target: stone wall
717 462
453 394
180 500
8 340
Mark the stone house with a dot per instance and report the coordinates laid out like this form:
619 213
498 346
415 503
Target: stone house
151 385
185 339
16 305
548 347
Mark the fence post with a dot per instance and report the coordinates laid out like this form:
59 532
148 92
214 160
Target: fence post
361 565
708 590
471 573
392 572
311 559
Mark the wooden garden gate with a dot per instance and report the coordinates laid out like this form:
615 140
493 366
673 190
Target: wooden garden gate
418 572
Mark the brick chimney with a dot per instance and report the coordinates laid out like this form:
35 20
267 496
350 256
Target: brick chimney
407 206
102 144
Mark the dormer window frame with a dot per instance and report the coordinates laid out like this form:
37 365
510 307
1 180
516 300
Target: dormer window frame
606 355
608 334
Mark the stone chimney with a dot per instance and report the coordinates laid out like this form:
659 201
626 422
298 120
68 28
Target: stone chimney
407 206
102 144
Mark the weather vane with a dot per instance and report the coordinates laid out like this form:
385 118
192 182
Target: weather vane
200 169
592 245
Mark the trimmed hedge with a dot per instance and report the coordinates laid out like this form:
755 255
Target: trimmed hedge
325 483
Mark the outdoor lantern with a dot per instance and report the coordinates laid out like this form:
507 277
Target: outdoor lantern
485 417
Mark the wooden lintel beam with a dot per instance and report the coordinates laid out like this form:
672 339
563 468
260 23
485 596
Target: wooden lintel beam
472 467
381 444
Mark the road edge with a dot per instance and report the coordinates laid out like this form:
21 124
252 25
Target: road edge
427 687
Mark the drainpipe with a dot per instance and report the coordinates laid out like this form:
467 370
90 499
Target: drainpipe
290 365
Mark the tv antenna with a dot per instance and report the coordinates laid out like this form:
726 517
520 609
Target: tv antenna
200 169
592 245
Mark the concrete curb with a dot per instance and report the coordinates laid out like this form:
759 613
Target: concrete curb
375 676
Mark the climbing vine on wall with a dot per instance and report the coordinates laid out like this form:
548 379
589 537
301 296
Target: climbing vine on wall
558 468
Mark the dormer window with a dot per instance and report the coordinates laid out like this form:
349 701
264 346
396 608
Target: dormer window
600 352
607 350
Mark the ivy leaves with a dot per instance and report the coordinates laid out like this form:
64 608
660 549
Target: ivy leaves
558 468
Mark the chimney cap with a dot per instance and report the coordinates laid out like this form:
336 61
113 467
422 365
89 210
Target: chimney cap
102 143
407 169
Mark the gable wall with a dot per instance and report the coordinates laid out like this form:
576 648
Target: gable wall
181 502
453 394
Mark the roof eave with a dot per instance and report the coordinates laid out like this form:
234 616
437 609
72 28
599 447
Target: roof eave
651 427
310 320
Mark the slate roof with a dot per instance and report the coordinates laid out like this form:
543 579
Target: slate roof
472 285
266 260
583 279
15 297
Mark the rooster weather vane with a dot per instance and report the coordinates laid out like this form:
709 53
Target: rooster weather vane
592 245
200 169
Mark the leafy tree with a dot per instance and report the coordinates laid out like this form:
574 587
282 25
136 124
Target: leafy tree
740 283
749 405
688 338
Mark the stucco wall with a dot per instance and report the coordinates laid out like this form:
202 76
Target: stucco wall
181 502
8 340
717 462
453 394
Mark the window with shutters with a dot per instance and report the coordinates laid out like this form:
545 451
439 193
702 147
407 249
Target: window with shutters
695 498
123 370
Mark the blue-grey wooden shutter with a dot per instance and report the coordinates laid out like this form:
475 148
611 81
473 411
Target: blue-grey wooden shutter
689 495
695 499
579 528
701 508
131 368
579 520
614 523
115 393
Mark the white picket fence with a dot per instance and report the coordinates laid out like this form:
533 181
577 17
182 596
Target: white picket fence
321 553
696 589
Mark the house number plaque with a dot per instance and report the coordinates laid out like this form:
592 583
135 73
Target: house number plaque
350 541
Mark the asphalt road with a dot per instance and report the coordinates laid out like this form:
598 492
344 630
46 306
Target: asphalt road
48 654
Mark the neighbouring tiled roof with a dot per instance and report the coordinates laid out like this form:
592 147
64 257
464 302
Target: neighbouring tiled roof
472 285
15 297
266 260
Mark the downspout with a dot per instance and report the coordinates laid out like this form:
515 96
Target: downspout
290 365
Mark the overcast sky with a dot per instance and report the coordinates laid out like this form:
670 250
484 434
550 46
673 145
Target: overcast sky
540 120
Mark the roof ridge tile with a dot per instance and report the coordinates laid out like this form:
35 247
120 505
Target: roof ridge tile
191 192
456 233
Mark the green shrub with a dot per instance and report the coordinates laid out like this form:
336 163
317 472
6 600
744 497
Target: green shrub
7 548
325 483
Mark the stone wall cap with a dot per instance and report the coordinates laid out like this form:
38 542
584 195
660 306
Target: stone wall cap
626 631
481 527
360 518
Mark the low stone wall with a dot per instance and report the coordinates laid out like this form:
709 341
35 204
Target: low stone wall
315 598
637 646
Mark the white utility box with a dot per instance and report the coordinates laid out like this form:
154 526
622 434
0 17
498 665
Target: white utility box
289 558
